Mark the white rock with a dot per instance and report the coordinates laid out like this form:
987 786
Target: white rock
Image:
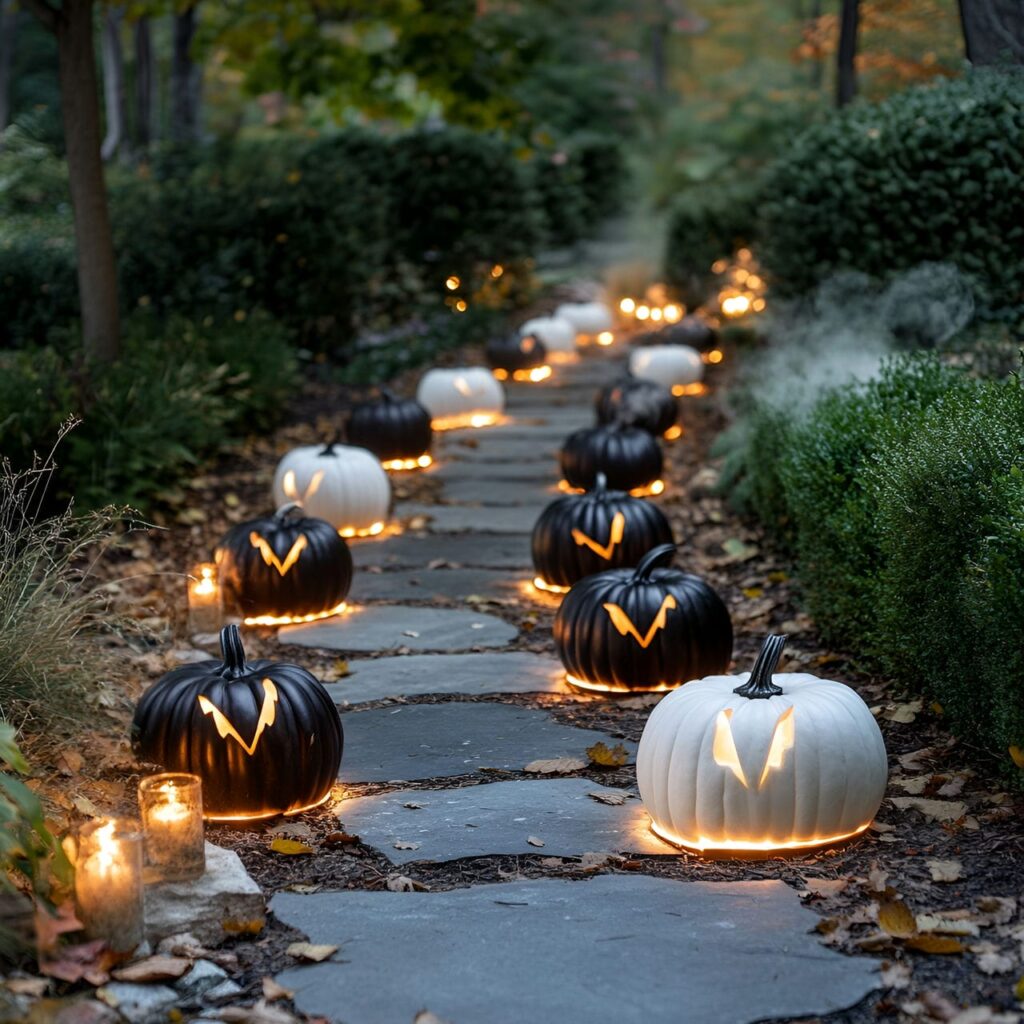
224 902
203 977
139 1004
225 990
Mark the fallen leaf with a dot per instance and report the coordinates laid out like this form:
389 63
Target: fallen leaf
825 887
591 861
340 839
261 1012
412 805
426 1017
995 963
534 841
153 968
70 762
34 987
85 806
933 810
272 991
555 765
903 714
895 975
945 870
311 951
948 925
896 918
402 844
609 796
402 883
1018 756
608 757
737 550
877 879
290 847
940 944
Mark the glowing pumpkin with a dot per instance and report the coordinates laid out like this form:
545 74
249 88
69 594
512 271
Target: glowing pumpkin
522 358
581 534
467 396
629 458
343 484
586 317
265 737
641 403
645 629
284 568
761 761
673 366
557 334
396 430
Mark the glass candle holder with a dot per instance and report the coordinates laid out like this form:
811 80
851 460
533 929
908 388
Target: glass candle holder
108 882
205 606
171 806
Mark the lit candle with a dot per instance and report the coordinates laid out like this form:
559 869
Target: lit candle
108 882
205 610
171 806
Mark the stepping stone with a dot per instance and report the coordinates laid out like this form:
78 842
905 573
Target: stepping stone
431 741
386 627
428 584
463 518
532 472
624 948
416 674
498 818
475 491
411 550
500 450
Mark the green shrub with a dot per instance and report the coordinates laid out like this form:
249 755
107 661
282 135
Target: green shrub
38 287
933 173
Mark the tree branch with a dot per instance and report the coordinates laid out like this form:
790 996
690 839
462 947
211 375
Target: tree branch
44 11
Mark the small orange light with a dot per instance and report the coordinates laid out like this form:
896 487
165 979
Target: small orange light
452 283
657 314
673 313
714 356
643 312
467 419
605 338
497 270
759 305
538 373
673 433
627 306
291 620
499 374
268 814
368 531
689 389
549 588
402 464
460 306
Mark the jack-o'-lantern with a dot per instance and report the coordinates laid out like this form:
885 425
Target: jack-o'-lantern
587 318
761 762
556 334
284 568
676 367
519 358
646 629
396 430
265 737
341 483
467 396
629 457
581 534
692 330
641 403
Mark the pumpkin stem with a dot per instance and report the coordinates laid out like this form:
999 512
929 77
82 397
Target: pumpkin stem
386 394
760 686
328 448
600 483
659 556
287 509
232 651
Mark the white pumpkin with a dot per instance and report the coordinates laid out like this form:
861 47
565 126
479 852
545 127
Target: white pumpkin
761 762
345 485
586 317
556 333
673 366
467 396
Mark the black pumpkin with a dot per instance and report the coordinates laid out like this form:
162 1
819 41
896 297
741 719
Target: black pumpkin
692 330
513 356
582 534
284 566
641 403
265 737
649 628
628 456
397 430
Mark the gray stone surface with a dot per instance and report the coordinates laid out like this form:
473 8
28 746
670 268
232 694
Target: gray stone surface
473 674
478 491
204 976
498 450
224 902
500 818
386 627
427 584
534 472
431 741
622 948
411 550
463 518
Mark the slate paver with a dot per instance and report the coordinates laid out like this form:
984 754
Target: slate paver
501 818
620 948
432 741
414 675
411 550
499 492
503 450
423 584
464 518
387 627
546 472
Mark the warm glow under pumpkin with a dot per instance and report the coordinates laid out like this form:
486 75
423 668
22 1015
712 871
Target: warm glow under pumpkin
468 419
697 388
373 530
586 684
538 373
422 462
650 490
705 845
549 588
264 815
292 620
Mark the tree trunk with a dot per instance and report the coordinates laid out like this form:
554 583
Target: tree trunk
145 79
8 34
97 270
185 78
846 79
818 64
113 83
993 31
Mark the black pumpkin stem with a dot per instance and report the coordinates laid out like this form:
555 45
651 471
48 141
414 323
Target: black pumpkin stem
386 394
600 483
232 651
760 686
287 509
659 556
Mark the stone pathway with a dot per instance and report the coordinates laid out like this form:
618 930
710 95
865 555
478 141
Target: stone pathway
617 947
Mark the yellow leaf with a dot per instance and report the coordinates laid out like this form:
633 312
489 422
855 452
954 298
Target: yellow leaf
614 757
935 944
896 918
290 847
937 707
753 592
311 951
1018 989
1018 756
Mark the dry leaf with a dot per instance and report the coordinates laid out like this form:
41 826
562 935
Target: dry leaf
70 762
877 879
340 839
942 944
261 1012
402 883
85 806
154 968
290 847
534 841
555 765
945 870
608 757
272 991
995 963
609 796
591 861
933 810
896 918
426 1017
948 925
825 887
903 714
402 844
34 987
311 951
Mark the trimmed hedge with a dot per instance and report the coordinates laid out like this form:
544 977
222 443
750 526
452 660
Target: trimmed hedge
932 173
902 502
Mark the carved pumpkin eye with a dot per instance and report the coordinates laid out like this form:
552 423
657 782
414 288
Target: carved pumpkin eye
782 740
291 487
624 624
615 532
271 559
726 756
268 713
463 386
